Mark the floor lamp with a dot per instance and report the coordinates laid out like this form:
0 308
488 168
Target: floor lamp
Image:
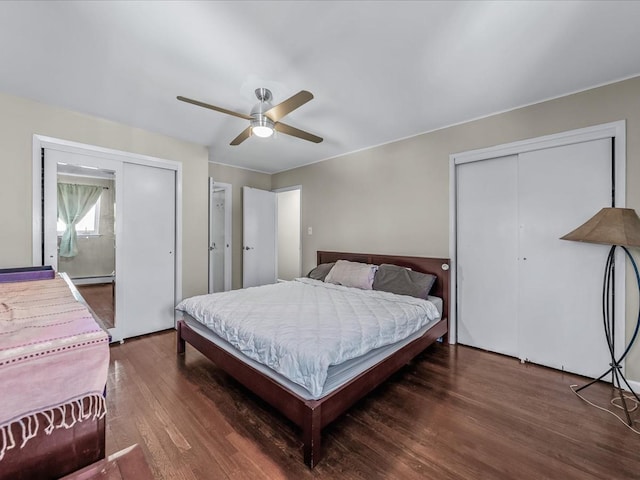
618 227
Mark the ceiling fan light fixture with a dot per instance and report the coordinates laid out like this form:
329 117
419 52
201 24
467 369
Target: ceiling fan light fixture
264 117
262 127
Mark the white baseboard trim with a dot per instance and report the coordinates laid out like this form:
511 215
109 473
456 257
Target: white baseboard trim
92 280
635 385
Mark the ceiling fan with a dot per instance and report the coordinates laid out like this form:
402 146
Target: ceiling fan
264 118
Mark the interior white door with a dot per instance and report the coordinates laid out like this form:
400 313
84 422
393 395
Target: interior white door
561 282
216 240
219 236
147 248
487 252
259 225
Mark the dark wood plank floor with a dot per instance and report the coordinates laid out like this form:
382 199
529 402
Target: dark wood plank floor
454 413
101 300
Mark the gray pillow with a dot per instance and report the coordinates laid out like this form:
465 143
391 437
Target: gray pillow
402 281
321 271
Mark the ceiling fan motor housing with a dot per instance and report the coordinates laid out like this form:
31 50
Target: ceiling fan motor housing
261 125
264 95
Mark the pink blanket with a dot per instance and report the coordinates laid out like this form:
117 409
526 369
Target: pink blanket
52 356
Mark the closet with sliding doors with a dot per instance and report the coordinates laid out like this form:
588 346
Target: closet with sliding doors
521 291
140 230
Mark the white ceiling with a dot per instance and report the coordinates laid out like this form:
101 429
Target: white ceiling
379 71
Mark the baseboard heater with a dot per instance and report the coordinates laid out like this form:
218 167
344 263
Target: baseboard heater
93 280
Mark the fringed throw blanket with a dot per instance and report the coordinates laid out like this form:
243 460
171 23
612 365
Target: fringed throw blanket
53 358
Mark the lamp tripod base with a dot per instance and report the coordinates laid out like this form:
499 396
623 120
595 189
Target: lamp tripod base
616 383
618 380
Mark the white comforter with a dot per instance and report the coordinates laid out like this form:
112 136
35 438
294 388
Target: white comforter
300 328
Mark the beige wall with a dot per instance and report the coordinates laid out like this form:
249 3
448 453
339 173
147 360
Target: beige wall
20 119
395 198
238 178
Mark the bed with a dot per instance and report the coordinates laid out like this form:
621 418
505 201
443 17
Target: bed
311 412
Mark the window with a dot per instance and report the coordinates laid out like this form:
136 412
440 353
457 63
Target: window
89 225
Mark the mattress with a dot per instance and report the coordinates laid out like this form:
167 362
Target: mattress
302 327
337 375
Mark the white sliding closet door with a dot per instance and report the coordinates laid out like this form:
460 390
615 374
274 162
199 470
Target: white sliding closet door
486 255
148 248
522 291
560 311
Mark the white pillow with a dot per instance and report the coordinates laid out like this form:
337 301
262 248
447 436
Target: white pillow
352 274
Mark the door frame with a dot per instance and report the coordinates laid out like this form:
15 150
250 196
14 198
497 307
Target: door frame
228 230
615 130
41 142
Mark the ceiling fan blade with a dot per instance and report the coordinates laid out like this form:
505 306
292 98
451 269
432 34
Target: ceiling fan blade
246 133
295 132
213 107
289 105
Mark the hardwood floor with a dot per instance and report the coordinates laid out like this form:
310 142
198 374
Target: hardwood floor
101 300
454 413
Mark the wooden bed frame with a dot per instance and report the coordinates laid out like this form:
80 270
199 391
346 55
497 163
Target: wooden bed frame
313 415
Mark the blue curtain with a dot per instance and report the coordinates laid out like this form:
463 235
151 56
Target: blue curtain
74 201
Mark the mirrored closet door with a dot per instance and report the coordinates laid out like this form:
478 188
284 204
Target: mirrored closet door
81 227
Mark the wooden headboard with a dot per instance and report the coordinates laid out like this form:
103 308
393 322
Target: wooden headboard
419 264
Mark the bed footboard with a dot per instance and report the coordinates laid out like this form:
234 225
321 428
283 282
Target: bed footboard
306 414
312 435
311 416
180 343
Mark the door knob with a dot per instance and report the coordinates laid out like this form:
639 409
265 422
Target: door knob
248 248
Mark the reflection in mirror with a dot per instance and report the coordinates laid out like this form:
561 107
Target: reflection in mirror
86 235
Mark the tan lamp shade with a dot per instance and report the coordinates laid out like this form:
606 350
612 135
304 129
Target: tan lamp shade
610 226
